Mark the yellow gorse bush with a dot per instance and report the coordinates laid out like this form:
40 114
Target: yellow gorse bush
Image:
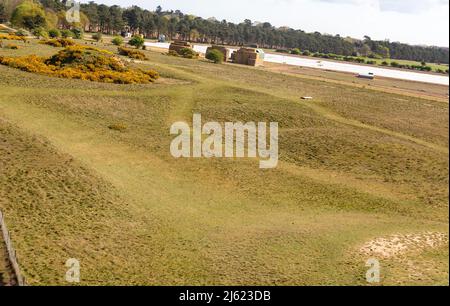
131 53
12 46
84 63
12 37
58 42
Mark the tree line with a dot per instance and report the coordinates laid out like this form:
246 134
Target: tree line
115 20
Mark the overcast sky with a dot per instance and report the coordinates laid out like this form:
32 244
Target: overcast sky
410 21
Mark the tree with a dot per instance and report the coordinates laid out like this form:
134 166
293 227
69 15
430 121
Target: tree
29 15
137 41
2 12
215 56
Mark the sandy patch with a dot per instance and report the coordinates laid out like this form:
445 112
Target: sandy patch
399 244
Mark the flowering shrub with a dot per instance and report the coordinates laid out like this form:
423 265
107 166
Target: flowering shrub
84 63
12 37
132 53
58 42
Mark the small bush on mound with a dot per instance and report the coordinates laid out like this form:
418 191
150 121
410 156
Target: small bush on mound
59 42
137 41
85 63
12 37
118 41
215 56
131 53
54 33
188 53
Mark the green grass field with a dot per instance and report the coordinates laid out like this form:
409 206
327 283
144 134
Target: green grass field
356 165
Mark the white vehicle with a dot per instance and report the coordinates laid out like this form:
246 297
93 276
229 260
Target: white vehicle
369 75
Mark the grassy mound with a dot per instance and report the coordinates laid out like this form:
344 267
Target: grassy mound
85 63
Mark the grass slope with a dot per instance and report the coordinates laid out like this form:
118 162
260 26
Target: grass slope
355 165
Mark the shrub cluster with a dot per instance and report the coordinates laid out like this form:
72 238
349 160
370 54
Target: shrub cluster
188 53
58 42
118 41
54 33
12 37
137 41
85 63
185 52
132 53
215 56
412 67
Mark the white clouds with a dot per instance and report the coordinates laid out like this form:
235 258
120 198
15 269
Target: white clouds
411 21
400 6
411 6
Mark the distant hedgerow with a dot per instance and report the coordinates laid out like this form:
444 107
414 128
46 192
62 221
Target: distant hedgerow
84 63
